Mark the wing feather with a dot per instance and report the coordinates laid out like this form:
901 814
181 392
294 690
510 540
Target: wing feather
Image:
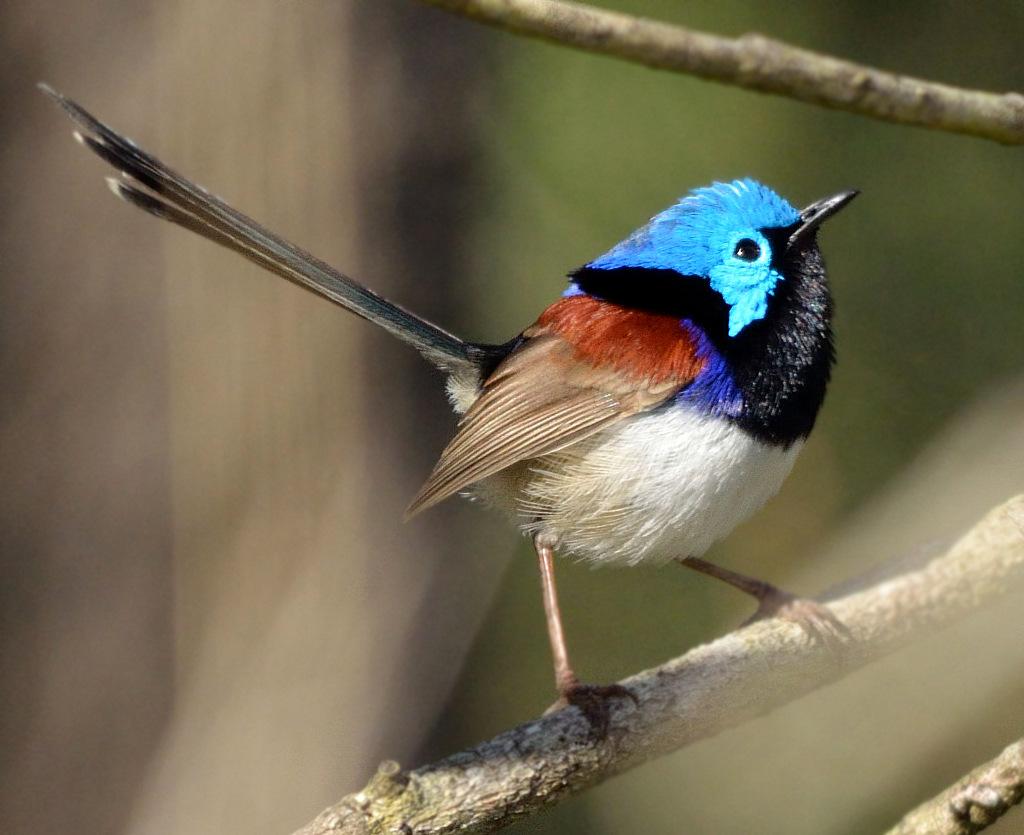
542 398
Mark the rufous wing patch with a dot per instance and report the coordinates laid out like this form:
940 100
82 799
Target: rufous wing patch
584 366
644 346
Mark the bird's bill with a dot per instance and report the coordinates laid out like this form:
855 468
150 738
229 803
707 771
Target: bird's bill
817 213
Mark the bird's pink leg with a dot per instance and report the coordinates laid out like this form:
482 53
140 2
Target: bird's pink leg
565 676
591 699
772 602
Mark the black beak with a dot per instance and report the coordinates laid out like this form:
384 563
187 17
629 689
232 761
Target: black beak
814 215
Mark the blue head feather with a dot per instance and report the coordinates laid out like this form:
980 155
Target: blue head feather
699 236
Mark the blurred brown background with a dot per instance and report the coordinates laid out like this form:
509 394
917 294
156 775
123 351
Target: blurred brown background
211 619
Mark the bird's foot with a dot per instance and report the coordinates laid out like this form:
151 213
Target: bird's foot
593 702
816 619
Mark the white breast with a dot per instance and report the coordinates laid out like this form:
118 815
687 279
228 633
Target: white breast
654 488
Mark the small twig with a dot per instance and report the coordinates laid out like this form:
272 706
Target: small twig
757 63
974 802
711 688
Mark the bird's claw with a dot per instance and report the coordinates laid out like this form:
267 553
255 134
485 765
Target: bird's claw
816 619
592 701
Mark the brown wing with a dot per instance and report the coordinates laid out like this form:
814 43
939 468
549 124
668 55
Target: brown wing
545 396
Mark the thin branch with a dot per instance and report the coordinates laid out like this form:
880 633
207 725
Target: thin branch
741 676
757 63
974 802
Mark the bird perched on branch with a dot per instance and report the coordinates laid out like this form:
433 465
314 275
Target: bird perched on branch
657 404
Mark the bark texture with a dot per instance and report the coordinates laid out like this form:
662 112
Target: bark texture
972 803
758 63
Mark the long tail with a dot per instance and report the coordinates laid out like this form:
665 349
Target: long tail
147 183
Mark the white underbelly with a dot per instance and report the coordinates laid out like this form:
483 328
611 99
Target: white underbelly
656 487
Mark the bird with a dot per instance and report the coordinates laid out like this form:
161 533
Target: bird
658 402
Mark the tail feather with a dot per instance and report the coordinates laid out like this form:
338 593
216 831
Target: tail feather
147 183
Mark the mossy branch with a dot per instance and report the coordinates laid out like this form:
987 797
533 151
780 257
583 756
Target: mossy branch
709 689
972 803
757 63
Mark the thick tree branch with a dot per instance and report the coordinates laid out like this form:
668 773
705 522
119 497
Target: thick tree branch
974 802
757 63
711 688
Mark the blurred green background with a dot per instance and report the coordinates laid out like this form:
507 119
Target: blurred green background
212 620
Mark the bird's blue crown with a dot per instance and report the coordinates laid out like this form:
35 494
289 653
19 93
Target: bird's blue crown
715 233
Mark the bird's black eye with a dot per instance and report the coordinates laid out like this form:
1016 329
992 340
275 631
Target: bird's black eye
747 250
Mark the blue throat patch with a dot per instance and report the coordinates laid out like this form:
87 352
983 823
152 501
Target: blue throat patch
713 390
714 233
